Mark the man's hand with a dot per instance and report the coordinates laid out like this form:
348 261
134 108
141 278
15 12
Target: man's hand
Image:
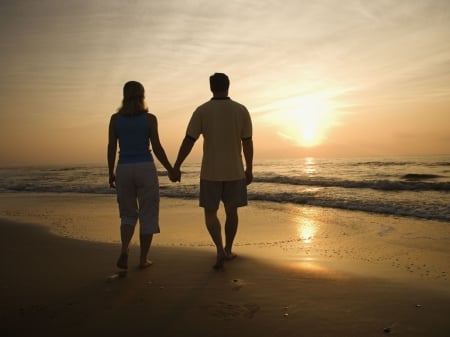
248 176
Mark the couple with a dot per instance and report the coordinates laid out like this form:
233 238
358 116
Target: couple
227 131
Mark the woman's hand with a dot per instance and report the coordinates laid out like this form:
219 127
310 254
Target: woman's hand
112 180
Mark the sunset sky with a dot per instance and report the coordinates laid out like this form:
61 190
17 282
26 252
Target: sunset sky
320 78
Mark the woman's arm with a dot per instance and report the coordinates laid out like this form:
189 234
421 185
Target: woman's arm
112 150
158 150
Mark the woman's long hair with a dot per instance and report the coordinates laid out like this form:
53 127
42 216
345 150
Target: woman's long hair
133 102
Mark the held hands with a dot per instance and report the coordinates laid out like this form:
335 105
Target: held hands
174 175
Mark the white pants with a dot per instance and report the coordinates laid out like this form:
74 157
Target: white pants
138 195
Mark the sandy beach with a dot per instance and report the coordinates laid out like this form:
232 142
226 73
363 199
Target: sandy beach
300 271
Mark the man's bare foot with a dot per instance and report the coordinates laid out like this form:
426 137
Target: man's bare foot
230 256
219 263
145 264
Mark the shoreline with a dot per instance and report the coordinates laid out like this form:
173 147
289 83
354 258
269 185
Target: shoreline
291 235
300 271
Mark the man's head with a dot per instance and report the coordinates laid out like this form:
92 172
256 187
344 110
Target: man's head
219 83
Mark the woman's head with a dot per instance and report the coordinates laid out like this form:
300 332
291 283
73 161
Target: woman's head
133 102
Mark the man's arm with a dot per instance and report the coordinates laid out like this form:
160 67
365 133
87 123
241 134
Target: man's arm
247 149
185 149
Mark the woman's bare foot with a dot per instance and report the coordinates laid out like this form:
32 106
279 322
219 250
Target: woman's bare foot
122 262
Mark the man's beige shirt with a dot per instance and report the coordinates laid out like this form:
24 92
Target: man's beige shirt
223 123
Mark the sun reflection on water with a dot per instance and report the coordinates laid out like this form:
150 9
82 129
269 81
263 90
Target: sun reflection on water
310 166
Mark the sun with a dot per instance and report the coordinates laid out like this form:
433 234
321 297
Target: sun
304 120
308 136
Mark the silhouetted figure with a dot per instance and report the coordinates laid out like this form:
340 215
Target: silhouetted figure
136 179
227 131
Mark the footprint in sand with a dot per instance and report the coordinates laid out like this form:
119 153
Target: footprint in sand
237 284
229 311
116 276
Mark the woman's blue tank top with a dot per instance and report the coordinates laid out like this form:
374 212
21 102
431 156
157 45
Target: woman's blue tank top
133 133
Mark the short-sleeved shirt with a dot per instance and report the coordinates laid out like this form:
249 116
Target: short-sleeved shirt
223 123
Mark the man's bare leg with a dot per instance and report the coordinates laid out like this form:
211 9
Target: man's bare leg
231 226
213 225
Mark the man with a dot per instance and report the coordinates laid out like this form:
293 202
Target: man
227 131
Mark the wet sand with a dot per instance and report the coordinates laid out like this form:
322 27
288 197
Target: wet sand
300 272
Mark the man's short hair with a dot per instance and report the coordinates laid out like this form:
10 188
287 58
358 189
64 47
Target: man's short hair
219 82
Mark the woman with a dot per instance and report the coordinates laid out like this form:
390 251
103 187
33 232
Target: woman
136 177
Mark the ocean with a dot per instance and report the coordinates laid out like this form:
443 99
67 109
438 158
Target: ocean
417 187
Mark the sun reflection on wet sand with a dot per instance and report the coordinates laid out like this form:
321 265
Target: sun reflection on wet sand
317 266
314 266
306 230
307 227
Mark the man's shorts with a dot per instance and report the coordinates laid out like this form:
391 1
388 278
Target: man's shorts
138 195
231 193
